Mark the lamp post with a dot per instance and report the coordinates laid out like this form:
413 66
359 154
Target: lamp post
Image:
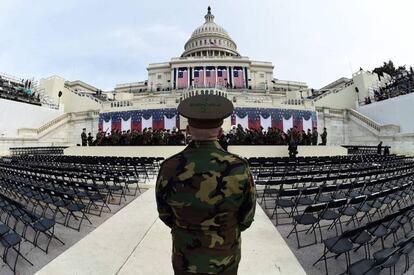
59 96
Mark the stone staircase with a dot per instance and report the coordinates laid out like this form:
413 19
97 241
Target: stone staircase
380 130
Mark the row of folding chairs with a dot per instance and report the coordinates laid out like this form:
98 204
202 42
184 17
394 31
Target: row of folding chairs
140 172
366 236
289 194
328 174
146 167
336 211
96 162
15 217
275 165
65 204
113 182
295 197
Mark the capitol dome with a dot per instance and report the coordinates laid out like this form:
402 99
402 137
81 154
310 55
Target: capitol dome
210 39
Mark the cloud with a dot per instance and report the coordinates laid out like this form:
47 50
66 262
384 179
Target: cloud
104 42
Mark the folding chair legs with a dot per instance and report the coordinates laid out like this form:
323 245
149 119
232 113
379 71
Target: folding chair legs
6 251
66 223
325 258
50 236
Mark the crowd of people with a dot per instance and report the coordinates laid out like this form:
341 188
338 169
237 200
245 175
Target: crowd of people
400 85
147 136
18 91
236 136
274 136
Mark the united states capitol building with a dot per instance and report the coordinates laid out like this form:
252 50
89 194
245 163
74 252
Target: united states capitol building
105 199
211 63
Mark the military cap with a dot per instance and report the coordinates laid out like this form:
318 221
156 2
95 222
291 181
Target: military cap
205 111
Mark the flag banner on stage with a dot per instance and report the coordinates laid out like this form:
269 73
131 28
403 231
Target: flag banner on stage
265 122
126 124
277 118
107 126
170 123
137 120
307 124
243 121
287 124
253 118
146 123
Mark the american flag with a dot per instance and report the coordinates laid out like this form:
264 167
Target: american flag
254 118
254 114
158 119
157 116
277 116
222 77
182 79
213 44
198 78
210 77
238 79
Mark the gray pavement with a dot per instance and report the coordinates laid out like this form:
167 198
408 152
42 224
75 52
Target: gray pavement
67 235
308 255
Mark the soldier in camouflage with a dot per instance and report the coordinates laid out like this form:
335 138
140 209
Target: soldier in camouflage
205 194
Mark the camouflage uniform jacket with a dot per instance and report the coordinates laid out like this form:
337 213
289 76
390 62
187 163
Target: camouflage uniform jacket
207 197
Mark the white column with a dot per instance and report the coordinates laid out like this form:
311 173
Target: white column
232 78
216 76
176 78
172 79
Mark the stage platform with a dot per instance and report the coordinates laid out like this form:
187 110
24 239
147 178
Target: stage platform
135 241
167 151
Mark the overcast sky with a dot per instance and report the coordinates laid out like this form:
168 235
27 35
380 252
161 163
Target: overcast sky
106 42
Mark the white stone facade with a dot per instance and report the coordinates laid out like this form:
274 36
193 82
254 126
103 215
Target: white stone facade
211 59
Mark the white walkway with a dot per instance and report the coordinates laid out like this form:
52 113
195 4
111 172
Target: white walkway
135 241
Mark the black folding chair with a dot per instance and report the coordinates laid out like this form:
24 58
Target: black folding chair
339 245
286 199
73 207
309 218
11 240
